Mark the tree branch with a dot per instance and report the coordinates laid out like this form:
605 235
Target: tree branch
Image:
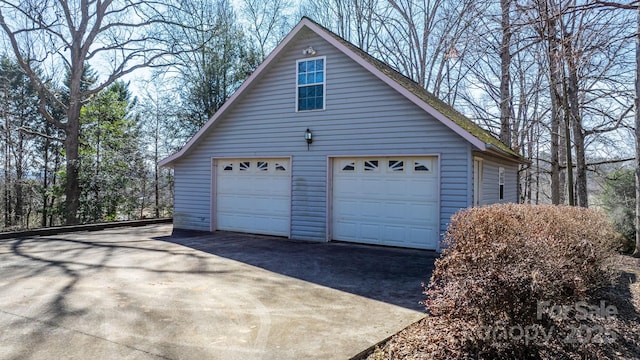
27 130
611 128
43 92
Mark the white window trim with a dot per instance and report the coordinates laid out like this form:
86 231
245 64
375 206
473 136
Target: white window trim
501 176
324 84
477 181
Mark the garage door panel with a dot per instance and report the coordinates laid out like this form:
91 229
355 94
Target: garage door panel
251 223
348 209
369 231
234 204
420 233
394 233
253 195
345 230
397 204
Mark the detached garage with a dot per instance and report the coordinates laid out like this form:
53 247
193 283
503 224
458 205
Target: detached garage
323 142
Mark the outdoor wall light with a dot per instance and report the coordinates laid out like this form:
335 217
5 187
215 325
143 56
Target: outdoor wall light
309 51
308 137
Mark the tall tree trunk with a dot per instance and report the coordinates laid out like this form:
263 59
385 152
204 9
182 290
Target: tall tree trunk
98 184
556 183
529 182
19 207
20 155
556 189
637 123
45 180
7 174
537 201
568 154
72 185
71 146
578 136
574 119
505 78
156 168
54 182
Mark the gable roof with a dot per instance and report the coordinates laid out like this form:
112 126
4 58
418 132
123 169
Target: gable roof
437 108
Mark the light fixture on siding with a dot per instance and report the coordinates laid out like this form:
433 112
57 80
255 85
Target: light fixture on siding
308 137
310 51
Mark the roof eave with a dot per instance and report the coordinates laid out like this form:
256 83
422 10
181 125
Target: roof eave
496 151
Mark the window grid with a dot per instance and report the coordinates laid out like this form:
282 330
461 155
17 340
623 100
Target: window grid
396 165
421 165
310 84
263 166
348 166
371 165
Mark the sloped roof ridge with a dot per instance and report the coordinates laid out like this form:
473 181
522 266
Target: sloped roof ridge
426 96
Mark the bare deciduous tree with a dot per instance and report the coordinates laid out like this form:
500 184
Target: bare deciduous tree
505 73
354 20
421 38
636 252
268 22
118 36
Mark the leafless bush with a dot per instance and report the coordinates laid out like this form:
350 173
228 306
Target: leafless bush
518 278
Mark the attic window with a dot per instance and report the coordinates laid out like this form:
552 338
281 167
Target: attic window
310 84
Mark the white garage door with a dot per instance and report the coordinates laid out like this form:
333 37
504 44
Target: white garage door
386 200
253 195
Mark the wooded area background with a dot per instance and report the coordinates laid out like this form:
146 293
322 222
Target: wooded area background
93 94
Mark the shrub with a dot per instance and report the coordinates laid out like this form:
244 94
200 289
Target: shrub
505 266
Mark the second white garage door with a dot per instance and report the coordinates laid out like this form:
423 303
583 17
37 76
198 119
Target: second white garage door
386 201
253 195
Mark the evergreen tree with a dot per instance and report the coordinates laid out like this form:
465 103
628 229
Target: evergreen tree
112 172
18 115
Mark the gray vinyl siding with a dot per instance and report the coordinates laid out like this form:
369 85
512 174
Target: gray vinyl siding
363 116
490 185
192 184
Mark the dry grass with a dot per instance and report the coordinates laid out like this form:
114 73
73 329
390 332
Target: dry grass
412 343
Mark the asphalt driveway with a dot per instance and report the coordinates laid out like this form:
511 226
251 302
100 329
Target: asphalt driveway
141 293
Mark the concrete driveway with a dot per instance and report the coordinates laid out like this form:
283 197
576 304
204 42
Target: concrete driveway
141 293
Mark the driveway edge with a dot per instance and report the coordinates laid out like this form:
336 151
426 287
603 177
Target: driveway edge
362 355
85 227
